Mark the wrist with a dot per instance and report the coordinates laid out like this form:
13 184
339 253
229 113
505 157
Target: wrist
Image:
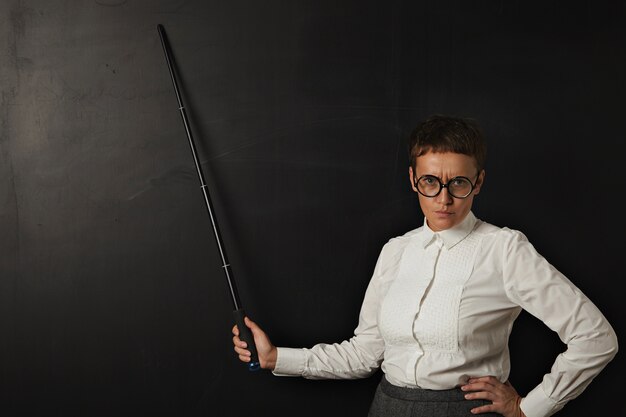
270 360
519 408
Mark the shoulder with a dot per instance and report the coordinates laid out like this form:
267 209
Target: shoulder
405 239
498 234
395 246
504 243
392 252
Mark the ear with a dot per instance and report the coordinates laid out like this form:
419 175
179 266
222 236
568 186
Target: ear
412 179
479 182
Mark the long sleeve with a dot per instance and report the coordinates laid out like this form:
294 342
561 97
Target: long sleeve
536 286
357 357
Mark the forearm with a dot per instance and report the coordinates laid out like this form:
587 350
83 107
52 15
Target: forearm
535 285
350 359
571 373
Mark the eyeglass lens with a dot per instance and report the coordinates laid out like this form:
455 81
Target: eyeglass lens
431 186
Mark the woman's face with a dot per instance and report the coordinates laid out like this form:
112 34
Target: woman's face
444 211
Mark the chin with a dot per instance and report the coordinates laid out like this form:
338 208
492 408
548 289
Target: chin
439 225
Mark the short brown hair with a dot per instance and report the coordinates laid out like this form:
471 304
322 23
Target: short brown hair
440 133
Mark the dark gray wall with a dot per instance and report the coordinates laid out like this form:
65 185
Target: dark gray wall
112 299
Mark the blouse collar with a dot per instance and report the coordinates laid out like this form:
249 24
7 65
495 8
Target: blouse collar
452 236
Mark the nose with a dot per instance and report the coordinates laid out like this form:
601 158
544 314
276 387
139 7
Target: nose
444 196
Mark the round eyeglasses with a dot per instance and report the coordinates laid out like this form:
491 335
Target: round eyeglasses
431 186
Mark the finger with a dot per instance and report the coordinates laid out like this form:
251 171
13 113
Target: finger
481 395
252 325
478 386
238 342
244 358
241 351
235 330
489 408
489 379
255 329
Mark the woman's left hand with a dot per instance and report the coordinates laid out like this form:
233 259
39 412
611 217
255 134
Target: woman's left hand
505 400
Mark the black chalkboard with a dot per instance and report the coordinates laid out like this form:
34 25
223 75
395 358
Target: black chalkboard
112 297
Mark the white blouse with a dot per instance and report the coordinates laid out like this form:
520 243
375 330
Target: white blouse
440 307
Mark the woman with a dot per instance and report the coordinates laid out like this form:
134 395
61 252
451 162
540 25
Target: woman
440 306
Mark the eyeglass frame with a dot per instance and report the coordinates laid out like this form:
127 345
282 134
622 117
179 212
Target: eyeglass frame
446 185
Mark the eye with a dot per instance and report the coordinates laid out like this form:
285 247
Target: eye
458 182
429 180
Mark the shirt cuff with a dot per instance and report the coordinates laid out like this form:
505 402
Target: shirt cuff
538 404
289 362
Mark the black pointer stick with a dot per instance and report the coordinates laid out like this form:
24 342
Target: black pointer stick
244 331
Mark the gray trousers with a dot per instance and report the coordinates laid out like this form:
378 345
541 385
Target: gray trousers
392 401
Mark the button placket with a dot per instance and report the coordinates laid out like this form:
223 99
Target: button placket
433 251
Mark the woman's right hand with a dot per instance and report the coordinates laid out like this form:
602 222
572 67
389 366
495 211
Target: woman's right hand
266 350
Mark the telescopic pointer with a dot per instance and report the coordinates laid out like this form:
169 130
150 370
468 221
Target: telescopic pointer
244 331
